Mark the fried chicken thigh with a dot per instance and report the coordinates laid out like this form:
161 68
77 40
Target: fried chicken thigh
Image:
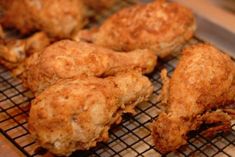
75 114
203 81
67 59
160 26
58 18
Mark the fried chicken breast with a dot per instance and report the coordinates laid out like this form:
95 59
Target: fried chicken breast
75 114
58 18
67 59
160 26
203 80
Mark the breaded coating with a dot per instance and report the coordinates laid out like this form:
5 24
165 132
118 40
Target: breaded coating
15 51
160 26
221 122
58 18
67 59
203 80
75 114
98 5
16 14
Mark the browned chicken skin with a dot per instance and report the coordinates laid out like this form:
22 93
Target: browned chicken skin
160 26
75 114
58 18
203 80
67 59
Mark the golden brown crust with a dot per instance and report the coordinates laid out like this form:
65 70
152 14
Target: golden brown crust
75 114
67 59
160 26
16 15
15 51
164 95
204 79
220 120
58 18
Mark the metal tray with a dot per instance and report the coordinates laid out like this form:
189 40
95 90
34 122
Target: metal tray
131 138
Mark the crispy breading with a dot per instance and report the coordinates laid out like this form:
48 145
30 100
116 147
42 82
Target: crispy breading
75 114
203 80
160 26
58 18
16 14
15 51
221 122
67 59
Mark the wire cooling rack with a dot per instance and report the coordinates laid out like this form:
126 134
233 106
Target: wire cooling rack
131 138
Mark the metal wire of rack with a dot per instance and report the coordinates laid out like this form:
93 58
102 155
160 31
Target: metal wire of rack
131 138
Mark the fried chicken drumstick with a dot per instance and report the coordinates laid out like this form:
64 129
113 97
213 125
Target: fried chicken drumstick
58 18
67 59
75 114
160 26
203 80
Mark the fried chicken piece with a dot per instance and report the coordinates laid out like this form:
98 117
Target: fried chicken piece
67 59
2 33
16 14
58 18
75 114
160 26
12 51
15 51
220 120
203 80
98 5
